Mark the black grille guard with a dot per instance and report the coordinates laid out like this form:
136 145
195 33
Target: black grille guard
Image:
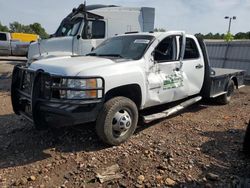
42 88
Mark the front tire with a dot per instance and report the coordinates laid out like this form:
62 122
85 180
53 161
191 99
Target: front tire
117 120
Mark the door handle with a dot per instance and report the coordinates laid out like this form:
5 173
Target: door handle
199 66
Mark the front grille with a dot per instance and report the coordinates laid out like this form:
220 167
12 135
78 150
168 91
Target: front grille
38 85
42 84
56 93
45 86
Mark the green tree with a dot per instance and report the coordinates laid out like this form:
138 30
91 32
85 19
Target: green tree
199 35
3 28
228 37
39 30
209 36
16 27
34 28
217 36
242 35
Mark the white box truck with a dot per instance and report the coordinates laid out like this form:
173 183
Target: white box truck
87 26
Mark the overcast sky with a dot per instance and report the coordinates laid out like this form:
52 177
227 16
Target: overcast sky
193 16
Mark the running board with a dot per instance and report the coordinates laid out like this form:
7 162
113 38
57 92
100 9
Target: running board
171 111
219 94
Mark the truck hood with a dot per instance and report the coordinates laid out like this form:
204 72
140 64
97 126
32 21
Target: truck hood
70 66
51 47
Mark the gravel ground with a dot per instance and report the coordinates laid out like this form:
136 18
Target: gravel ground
200 147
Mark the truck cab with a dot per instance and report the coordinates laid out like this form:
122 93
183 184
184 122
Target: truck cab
5 48
118 81
87 26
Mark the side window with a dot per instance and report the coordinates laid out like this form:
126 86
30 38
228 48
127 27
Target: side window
95 30
3 37
191 50
166 50
98 29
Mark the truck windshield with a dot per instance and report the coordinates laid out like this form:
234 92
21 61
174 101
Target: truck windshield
69 28
127 46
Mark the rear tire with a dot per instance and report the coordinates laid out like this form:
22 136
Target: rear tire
117 120
225 99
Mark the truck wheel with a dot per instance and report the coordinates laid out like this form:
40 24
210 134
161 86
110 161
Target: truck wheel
117 120
225 99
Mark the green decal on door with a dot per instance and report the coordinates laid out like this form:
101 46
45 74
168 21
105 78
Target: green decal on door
173 81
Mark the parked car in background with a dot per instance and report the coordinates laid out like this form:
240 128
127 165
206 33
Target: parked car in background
16 44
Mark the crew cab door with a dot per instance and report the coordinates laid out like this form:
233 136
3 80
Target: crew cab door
178 70
5 48
167 82
193 65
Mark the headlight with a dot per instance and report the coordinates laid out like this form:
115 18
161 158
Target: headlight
76 83
80 85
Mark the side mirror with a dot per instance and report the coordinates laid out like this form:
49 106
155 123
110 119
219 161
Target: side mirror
78 37
92 49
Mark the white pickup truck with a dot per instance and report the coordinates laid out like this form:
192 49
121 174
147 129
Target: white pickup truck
118 80
9 47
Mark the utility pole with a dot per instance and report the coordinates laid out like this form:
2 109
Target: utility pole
230 22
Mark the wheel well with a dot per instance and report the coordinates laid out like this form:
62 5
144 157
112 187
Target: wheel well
235 81
132 91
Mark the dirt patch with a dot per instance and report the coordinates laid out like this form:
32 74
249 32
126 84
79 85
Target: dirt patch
6 66
201 147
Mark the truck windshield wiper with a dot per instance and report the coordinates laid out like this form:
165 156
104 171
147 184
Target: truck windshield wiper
112 55
92 54
109 55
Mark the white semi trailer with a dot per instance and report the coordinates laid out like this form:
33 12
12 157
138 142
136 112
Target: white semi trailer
87 26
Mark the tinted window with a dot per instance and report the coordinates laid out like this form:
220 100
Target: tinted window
3 37
166 50
127 46
191 51
98 29
95 30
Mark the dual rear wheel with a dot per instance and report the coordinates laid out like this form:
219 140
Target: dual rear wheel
225 99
